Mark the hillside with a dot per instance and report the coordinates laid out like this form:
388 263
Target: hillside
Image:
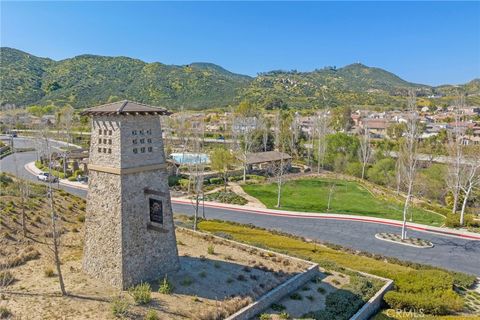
88 80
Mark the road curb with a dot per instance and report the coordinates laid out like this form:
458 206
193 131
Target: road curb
305 215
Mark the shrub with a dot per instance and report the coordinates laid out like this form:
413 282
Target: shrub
430 290
6 278
119 307
265 316
354 169
81 218
173 181
241 277
226 197
321 290
4 313
77 173
277 307
296 296
340 304
211 249
183 183
215 180
284 315
165 287
186 281
437 305
49 272
142 293
453 221
152 315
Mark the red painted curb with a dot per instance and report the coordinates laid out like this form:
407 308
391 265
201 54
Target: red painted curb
320 216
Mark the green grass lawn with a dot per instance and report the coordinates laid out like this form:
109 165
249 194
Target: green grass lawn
311 195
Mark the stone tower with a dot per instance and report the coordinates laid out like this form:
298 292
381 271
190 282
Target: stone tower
129 230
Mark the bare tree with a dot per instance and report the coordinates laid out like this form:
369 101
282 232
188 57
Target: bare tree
197 168
331 191
365 150
54 246
399 172
245 125
455 153
469 180
283 136
409 153
23 187
322 129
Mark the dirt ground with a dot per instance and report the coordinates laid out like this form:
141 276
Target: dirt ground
309 298
205 283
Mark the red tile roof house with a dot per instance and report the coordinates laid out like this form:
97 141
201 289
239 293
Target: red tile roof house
376 126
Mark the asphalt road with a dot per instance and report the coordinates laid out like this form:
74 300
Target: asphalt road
448 252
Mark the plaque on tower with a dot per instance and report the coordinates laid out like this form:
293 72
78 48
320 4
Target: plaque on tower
156 211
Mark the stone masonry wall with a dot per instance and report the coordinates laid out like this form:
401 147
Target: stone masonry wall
122 246
102 256
149 249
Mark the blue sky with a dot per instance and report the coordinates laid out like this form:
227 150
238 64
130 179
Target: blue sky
427 42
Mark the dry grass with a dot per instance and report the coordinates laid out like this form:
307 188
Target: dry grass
223 309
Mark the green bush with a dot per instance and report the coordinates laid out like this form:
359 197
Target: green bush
433 304
340 304
453 221
72 178
183 183
173 180
77 173
211 249
226 197
215 180
354 169
152 315
142 293
165 287
382 172
430 290
5 180
119 307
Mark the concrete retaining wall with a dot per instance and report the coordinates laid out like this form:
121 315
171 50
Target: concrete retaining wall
374 304
275 295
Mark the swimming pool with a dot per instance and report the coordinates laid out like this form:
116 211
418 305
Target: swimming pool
190 158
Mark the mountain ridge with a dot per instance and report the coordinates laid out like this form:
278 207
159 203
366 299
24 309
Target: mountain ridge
87 80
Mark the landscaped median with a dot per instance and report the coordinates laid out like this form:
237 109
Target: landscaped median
416 287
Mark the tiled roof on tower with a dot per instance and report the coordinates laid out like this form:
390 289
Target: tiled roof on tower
125 107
